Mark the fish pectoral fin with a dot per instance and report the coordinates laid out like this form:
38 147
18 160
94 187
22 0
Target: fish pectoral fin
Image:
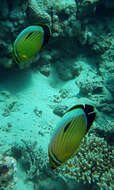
24 57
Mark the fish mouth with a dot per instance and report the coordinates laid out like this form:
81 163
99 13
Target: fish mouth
15 56
54 162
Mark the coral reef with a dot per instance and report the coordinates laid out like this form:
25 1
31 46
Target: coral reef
92 86
105 128
64 19
60 110
92 164
8 169
60 15
81 51
12 19
32 160
67 19
37 13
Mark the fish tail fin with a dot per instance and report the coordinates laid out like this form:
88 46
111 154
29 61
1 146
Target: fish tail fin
47 32
90 114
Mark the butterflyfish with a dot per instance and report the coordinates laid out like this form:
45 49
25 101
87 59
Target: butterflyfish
69 133
29 42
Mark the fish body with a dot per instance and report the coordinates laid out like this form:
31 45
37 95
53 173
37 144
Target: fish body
69 134
29 42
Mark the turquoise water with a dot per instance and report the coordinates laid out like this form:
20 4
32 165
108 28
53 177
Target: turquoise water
75 67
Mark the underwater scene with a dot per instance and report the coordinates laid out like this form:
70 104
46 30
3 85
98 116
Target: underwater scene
57 95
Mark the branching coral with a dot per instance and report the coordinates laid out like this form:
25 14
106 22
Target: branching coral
31 159
93 163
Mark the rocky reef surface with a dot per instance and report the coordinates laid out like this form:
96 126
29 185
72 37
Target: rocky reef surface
77 66
7 172
81 42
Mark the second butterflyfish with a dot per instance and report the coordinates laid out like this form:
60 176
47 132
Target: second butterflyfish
69 133
29 42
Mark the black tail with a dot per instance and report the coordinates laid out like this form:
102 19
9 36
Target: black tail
90 114
47 34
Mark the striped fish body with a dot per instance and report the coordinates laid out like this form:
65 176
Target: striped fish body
69 134
28 43
67 138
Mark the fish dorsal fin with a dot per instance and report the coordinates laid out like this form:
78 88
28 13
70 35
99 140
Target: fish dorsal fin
75 107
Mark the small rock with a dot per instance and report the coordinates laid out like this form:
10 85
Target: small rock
45 70
60 110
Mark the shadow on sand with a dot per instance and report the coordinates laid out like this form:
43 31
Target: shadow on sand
15 80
